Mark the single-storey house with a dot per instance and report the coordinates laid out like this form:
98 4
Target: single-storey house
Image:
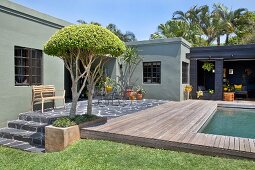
168 65
23 32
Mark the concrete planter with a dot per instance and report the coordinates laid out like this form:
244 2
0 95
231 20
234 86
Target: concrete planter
98 121
57 139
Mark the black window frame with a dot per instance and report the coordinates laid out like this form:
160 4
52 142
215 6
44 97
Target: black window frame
28 67
149 74
185 72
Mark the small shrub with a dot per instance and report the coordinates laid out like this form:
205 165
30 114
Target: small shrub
63 122
83 118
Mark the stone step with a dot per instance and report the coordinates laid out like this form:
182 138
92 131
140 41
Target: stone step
33 138
47 117
20 145
27 125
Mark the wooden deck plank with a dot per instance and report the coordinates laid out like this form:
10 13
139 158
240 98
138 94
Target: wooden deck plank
226 142
237 143
247 145
242 145
231 143
252 145
217 141
222 141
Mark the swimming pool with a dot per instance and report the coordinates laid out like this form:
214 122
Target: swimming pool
231 122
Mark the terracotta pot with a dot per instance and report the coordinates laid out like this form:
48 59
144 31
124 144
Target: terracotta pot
57 139
139 96
108 89
131 97
128 92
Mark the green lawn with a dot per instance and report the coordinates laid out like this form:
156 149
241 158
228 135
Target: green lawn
93 154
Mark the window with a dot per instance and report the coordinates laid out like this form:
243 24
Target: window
151 72
28 66
185 73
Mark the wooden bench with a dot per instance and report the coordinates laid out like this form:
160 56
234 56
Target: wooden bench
46 92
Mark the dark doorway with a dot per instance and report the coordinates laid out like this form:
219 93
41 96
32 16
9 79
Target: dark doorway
241 73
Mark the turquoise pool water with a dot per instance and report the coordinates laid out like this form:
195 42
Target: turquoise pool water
232 122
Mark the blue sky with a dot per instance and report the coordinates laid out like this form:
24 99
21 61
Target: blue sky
139 16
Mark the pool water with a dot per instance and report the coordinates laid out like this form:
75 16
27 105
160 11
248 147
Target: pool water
232 122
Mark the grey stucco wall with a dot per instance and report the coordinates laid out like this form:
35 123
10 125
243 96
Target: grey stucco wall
184 50
19 31
171 53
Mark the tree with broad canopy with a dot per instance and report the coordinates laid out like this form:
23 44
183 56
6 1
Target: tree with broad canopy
89 45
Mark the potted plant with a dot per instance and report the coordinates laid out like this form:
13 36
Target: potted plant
211 92
187 90
128 91
132 96
108 84
208 66
62 133
200 94
140 92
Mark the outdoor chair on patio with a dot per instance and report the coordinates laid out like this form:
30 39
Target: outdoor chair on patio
241 91
103 96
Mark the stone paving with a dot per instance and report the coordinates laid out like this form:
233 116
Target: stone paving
27 133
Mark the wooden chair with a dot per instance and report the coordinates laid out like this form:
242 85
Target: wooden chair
43 93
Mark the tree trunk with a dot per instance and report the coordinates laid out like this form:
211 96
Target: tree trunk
75 98
218 40
227 39
90 98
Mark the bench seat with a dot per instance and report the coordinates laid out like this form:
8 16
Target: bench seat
46 92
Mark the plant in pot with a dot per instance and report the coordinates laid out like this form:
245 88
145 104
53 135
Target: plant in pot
208 66
140 92
108 84
62 133
200 94
132 96
187 90
211 92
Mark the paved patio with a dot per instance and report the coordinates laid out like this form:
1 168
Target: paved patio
27 132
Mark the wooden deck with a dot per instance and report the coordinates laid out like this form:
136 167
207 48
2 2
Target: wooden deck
174 126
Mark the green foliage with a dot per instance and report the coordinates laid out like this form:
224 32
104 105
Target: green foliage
208 66
201 26
83 118
96 154
63 122
131 56
210 91
89 38
140 90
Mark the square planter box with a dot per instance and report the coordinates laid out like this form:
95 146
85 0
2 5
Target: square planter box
98 121
57 139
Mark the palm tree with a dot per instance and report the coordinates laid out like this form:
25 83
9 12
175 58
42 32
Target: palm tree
228 19
126 37
199 18
84 22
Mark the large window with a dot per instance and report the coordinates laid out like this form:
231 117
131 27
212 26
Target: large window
28 66
185 73
151 72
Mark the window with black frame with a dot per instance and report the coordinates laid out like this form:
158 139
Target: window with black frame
28 66
185 72
152 72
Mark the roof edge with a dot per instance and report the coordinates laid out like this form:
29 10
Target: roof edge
160 41
32 15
